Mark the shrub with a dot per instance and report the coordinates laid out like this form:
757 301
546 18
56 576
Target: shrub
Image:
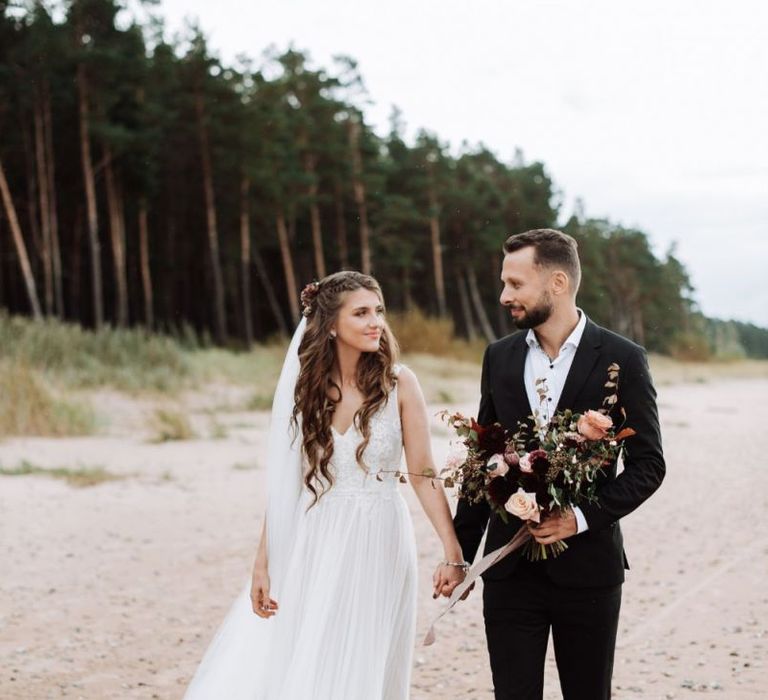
418 333
29 407
168 424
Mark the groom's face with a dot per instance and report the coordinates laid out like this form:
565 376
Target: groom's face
525 291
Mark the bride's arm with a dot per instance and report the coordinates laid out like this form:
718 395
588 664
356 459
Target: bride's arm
262 604
418 455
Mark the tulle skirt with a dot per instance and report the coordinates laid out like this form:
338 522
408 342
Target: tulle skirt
346 624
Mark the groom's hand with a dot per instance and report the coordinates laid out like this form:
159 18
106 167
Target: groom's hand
558 525
445 579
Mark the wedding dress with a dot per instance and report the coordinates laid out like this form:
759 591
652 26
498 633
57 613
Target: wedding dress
347 598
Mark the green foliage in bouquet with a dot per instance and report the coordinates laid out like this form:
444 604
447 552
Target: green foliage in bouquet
540 470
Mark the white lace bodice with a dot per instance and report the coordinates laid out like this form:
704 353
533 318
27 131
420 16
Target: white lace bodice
382 457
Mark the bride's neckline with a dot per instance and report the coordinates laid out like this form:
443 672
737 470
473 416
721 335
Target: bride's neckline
351 426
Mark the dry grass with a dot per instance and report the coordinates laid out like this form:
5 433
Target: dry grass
79 477
168 424
444 380
423 335
257 367
28 406
40 361
129 360
667 370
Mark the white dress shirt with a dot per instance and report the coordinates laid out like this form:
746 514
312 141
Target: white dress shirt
543 397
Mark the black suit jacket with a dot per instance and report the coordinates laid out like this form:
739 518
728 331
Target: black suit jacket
595 557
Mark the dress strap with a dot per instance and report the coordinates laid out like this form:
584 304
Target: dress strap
393 402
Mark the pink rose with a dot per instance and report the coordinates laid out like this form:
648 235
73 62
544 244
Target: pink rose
511 456
456 457
594 425
525 464
523 505
501 466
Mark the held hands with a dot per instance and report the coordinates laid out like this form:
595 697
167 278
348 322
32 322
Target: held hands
261 603
446 578
557 525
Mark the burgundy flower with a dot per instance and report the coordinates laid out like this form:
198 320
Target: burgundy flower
499 490
529 482
492 439
539 462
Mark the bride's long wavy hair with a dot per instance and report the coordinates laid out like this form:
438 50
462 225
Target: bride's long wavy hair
317 393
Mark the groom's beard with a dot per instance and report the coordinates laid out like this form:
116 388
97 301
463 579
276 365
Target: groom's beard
535 316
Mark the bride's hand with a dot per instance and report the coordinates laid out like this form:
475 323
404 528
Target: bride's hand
446 578
261 603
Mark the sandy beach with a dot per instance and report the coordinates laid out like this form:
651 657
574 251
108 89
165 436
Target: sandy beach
114 590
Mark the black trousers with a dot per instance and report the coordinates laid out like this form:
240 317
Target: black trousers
519 613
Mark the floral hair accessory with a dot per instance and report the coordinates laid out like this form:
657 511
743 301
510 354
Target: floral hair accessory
308 295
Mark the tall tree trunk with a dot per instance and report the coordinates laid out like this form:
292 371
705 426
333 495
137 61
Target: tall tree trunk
477 302
45 208
341 226
437 253
245 258
405 283
213 231
117 235
466 311
76 264
502 314
58 277
638 334
33 214
167 280
310 163
21 248
146 272
290 277
90 197
274 304
358 189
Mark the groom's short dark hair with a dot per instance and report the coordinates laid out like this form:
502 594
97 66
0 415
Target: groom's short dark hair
551 249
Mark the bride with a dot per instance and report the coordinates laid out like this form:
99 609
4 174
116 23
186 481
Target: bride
334 582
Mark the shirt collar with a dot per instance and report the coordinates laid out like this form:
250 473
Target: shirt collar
572 340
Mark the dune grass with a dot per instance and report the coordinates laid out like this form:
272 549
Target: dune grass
43 363
170 424
129 360
79 477
29 407
423 335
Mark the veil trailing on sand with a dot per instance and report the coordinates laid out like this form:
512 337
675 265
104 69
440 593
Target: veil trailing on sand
284 467
237 665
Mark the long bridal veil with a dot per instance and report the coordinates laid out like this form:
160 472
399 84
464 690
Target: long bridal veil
236 664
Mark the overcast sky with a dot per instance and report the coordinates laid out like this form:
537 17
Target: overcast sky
654 113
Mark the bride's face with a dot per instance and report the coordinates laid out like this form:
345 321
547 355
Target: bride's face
360 321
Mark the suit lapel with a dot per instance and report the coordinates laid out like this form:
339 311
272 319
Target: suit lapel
583 364
515 396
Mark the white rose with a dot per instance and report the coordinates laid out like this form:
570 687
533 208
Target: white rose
523 505
525 464
501 466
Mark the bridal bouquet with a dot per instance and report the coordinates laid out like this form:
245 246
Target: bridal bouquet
529 476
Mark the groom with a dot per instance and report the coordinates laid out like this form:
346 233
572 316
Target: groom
576 595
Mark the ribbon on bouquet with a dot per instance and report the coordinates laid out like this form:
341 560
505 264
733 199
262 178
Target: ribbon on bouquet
520 538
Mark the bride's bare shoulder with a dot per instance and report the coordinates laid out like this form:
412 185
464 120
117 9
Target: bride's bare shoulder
408 387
